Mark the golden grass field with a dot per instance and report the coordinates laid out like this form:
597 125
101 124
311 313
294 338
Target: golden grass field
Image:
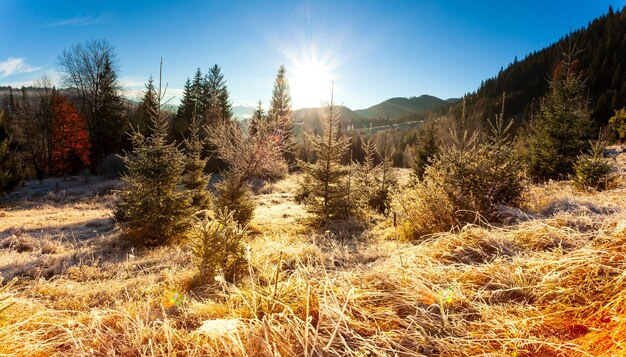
552 283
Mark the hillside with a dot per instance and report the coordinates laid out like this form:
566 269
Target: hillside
311 117
601 61
395 107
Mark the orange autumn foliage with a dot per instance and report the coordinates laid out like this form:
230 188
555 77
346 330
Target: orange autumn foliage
70 140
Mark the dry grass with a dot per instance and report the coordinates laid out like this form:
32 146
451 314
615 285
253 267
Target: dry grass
553 283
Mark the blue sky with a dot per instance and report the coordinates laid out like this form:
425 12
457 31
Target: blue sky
372 50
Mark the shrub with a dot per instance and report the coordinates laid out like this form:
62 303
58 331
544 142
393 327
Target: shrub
426 149
217 245
467 179
618 123
257 155
592 171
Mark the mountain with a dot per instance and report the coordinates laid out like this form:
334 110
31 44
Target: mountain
243 111
600 59
395 107
311 118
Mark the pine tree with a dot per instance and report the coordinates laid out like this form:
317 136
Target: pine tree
325 179
10 171
184 113
218 109
194 178
149 100
71 148
426 150
218 106
280 114
258 117
561 129
109 123
155 207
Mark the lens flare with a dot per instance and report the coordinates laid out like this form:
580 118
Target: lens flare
172 298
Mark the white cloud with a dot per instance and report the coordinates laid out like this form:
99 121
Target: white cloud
79 21
16 66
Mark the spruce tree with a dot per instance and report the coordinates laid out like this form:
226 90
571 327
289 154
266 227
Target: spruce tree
426 149
149 100
325 179
154 208
194 178
280 114
218 107
109 123
10 171
258 117
184 113
560 130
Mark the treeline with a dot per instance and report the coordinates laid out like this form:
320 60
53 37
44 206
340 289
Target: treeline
601 61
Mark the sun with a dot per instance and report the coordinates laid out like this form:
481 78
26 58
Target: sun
310 83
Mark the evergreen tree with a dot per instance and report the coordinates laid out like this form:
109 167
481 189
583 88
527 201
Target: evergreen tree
10 171
109 122
325 179
258 117
155 207
194 178
218 110
149 100
280 114
218 106
561 129
184 113
426 149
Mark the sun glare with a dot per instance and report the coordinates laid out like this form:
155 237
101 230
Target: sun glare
310 83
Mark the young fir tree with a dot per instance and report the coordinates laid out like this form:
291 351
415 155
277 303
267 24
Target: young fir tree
194 179
184 112
280 114
560 130
426 149
385 180
325 179
10 171
258 117
149 100
155 207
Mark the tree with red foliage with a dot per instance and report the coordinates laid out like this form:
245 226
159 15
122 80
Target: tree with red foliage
70 138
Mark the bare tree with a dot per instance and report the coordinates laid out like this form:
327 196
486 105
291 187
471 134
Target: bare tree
247 157
90 70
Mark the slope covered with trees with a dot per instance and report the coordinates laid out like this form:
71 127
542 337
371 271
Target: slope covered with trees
601 62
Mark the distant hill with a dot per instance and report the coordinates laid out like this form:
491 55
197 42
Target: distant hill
601 62
311 117
395 107
243 111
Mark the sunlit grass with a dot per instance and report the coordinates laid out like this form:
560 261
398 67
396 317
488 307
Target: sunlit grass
553 284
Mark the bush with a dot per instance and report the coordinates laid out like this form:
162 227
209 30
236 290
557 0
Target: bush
592 170
217 245
467 180
112 167
618 123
